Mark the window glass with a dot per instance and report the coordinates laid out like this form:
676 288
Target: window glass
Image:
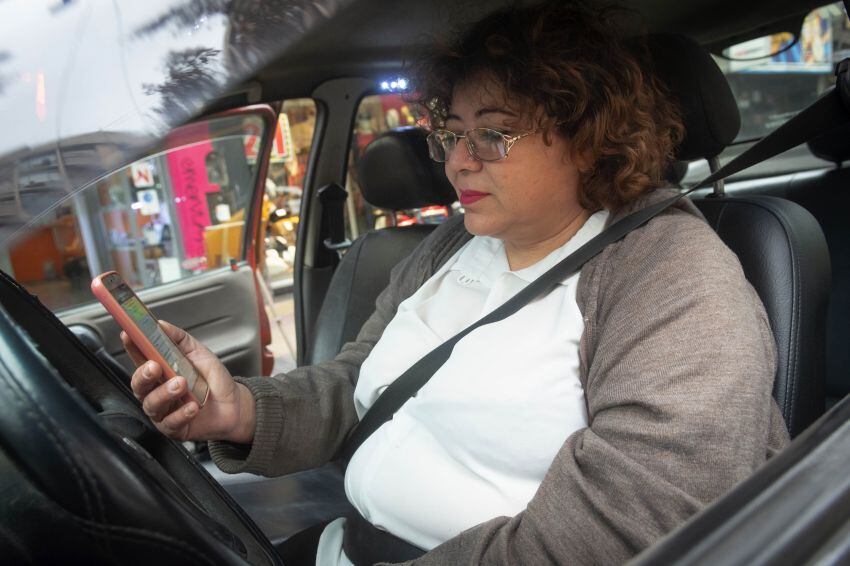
376 115
176 213
281 214
282 204
771 89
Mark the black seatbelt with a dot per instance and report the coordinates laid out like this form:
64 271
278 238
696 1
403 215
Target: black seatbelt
333 197
824 114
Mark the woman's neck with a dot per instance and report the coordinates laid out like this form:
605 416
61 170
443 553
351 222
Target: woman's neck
524 254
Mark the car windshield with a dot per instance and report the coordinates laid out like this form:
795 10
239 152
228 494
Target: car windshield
774 77
86 87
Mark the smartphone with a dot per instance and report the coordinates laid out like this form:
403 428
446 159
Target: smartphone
136 319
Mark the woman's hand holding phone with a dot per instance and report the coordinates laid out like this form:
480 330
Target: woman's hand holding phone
229 413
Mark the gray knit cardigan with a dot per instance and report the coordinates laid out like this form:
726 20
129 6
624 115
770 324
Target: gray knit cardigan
677 363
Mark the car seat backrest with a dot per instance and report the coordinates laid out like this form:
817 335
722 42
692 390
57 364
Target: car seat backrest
395 173
784 256
825 193
780 245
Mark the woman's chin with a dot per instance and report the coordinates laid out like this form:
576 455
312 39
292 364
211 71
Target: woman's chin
478 224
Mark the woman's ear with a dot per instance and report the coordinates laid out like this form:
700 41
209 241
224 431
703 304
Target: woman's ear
583 160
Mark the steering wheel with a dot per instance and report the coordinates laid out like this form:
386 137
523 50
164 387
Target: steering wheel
84 475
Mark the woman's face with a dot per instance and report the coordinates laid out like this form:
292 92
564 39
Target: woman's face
530 196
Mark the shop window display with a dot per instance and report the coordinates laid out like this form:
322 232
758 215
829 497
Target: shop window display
174 214
282 204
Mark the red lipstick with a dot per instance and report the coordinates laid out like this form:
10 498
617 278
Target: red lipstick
469 197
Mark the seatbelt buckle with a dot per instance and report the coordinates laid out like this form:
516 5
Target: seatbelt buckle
338 247
332 197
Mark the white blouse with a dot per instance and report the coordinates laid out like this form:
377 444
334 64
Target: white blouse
477 439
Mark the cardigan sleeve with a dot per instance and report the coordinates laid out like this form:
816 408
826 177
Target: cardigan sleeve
680 366
304 416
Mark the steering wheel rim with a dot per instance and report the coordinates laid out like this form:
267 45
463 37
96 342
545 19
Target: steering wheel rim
81 439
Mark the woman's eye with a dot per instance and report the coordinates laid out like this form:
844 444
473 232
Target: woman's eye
491 135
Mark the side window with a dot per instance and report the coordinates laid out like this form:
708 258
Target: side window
375 115
282 203
773 77
174 214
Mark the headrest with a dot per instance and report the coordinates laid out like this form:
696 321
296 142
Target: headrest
676 171
395 172
696 82
833 145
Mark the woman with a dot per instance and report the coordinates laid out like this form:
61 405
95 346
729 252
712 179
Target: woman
596 418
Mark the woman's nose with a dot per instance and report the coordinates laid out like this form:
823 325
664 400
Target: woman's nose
461 159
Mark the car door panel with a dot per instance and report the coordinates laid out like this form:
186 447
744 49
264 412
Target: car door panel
219 308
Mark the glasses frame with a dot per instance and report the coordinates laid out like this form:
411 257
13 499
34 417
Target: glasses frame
509 142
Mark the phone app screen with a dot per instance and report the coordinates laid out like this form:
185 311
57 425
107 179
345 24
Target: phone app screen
143 318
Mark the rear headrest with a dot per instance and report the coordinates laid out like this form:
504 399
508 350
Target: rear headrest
833 145
396 173
676 171
709 111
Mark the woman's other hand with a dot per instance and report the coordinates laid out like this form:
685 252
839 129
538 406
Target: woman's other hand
228 414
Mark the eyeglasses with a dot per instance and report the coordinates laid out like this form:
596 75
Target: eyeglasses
484 144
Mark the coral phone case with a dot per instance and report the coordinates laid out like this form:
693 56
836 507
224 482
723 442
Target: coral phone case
138 322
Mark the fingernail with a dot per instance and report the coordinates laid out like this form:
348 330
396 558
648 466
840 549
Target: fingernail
146 371
190 410
173 384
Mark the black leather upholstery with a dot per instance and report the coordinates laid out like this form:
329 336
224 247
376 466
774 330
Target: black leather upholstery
826 195
86 478
784 256
395 172
361 275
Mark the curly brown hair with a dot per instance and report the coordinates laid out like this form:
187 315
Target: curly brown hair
567 65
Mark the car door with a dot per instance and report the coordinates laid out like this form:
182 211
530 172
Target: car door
180 225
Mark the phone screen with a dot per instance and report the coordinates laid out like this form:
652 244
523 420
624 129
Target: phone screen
144 319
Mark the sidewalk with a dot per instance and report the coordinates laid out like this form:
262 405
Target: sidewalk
284 307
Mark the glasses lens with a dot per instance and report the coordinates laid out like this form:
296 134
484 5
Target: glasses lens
440 145
488 145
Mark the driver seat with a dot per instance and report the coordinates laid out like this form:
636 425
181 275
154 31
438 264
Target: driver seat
412 181
780 245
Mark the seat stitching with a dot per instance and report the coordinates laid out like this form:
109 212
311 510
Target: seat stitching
19 400
53 435
791 385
